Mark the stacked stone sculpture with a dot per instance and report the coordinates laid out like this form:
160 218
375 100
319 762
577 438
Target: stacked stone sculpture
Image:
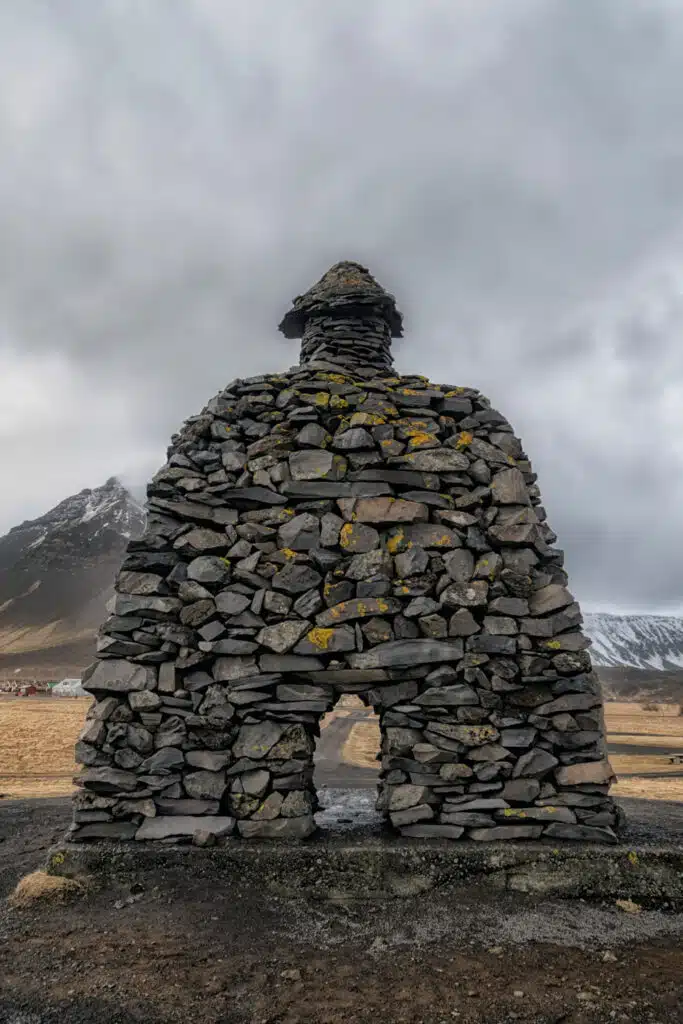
341 529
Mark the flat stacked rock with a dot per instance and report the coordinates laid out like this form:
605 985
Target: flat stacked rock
340 529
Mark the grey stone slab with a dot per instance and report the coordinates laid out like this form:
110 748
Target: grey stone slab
205 785
505 832
535 764
432 830
185 806
282 636
180 825
581 833
114 675
445 696
398 653
280 828
316 464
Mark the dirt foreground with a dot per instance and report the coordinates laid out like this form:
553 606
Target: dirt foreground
172 949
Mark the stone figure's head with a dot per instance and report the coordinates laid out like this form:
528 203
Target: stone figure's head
346 291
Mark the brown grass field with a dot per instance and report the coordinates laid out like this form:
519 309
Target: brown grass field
37 736
626 722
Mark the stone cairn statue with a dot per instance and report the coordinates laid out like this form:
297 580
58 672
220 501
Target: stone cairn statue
340 529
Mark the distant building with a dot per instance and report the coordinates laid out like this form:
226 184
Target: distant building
68 688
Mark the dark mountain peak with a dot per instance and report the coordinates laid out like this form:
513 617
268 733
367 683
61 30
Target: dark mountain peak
57 571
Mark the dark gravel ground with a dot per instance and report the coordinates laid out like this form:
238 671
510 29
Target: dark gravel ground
179 950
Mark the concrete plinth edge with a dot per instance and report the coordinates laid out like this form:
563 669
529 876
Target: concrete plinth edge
372 869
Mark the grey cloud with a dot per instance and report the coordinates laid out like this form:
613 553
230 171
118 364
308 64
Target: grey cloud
174 173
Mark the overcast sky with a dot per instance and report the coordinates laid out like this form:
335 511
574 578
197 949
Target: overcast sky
173 172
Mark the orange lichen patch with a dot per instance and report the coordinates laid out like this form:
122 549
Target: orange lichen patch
464 438
320 637
421 440
413 426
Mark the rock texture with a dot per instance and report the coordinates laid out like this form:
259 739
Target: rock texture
337 528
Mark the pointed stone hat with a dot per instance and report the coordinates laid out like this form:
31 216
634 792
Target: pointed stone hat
347 290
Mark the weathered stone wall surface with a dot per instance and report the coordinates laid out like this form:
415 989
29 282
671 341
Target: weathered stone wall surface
338 528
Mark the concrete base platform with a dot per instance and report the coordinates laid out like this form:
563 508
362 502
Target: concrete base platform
354 857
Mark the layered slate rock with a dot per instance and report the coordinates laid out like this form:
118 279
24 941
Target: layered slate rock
338 528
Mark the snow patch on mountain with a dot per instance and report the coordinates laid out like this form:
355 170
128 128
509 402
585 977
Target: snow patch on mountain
639 641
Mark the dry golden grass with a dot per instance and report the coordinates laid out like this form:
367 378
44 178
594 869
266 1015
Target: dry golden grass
362 744
37 737
626 723
41 886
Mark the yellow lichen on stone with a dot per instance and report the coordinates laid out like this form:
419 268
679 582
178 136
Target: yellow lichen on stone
337 402
382 606
553 644
633 857
454 392
321 398
288 553
366 419
320 637
394 542
346 535
464 438
336 378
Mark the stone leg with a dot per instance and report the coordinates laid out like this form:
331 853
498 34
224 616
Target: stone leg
457 770
270 782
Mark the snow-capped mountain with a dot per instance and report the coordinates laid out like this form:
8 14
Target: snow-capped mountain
651 642
57 572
